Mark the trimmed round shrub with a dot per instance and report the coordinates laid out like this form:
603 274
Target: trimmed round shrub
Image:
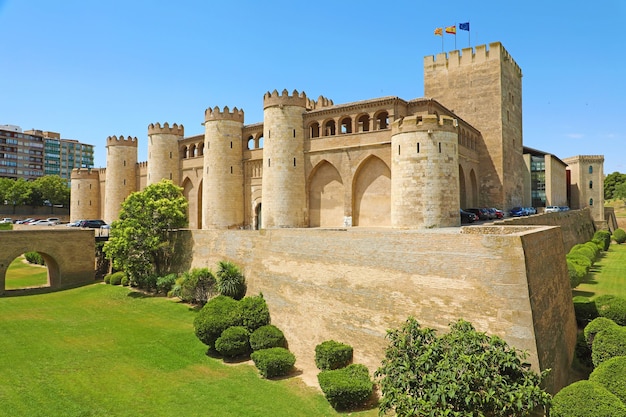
217 315
125 281
234 342
346 388
619 236
254 312
607 344
595 326
577 273
611 374
332 355
612 307
605 237
586 399
34 258
266 337
273 362
165 284
107 279
116 278
580 259
585 310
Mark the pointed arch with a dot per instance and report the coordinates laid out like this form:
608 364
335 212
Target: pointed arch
474 189
326 196
371 193
462 189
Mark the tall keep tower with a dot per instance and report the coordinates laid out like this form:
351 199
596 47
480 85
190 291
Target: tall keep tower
85 192
163 157
222 179
425 172
121 174
586 188
283 189
484 87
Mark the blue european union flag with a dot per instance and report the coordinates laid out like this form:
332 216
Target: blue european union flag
464 26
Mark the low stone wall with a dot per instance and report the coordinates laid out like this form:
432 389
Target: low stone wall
577 226
352 285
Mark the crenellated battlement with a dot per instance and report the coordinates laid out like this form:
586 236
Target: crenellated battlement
84 174
426 122
122 141
320 103
296 99
175 129
216 114
471 56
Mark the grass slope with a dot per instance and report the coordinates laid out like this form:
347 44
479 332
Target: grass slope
608 275
21 274
102 350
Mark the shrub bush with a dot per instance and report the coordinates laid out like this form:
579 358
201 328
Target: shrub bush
116 277
595 326
579 258
217 315
583 351
611 374
125 281
586 399
230 280
332 355
619 236
576 273
607 344
254 312
196 286
107 279
34 258
346 388
273 362
266 337
603 236
234 342
165 284
612 307
585 310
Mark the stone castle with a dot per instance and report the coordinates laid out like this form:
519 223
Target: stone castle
312 163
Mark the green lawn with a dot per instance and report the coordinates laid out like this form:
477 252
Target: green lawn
104 350
21 274
608 275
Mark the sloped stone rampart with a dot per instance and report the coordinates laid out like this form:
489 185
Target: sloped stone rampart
352 285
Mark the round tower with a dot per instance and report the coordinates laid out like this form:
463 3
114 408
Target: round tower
284 185
85 194
163 157
424 172
222 179
121 174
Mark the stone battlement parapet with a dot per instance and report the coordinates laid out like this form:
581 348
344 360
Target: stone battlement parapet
175 129
122 141
84 173
470 56
426 122
216 114
275 99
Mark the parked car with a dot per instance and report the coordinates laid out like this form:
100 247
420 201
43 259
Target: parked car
499 213
467 217
41 222
74 223
481 214
552 209
563 208
7 220
92 224
517 212
53 220
530 210
25 221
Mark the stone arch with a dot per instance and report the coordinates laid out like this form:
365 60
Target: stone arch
326 196
200 149
199 208
330 127
314 130
345 125
371 193
185 152
251 142
363 123
193 150
381 119
188 193
473 201
462 189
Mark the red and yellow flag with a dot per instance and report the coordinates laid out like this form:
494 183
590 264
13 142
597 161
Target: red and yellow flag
439 31
451 29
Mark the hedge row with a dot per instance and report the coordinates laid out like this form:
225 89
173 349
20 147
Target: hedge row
332 355
586 399
608 306
346 388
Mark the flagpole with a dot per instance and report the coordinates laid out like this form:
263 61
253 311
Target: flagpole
455 36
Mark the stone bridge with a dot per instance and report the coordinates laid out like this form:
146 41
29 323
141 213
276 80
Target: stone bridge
69 256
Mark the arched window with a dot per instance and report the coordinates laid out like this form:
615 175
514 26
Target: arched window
382 120
590 185
364 123
314 130
329 128
251 142
591 201
590 169
346 125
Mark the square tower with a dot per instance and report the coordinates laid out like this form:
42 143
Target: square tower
586 183
484 87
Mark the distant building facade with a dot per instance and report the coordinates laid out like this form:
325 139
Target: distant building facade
31 154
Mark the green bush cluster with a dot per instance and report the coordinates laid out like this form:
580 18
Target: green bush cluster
585 310
607 344
34 258
230 280
346 388
612 307
332 355
254 312
603 239
595 326
266 337
115 278
234 342
611 374
217 315
579 259
196 286
165 284
619 236
586 399
273 362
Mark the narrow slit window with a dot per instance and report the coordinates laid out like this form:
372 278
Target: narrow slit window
418 147
398 149
439 147
231 170
231 145
294 133
269 162
294 162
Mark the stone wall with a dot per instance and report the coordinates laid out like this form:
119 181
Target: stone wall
352 285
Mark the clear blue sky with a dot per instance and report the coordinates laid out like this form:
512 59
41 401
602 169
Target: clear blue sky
92 69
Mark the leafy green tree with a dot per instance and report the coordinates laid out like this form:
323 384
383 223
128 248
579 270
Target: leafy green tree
53 189
141 242
620 191
611 181
5 186
19 192
461 373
